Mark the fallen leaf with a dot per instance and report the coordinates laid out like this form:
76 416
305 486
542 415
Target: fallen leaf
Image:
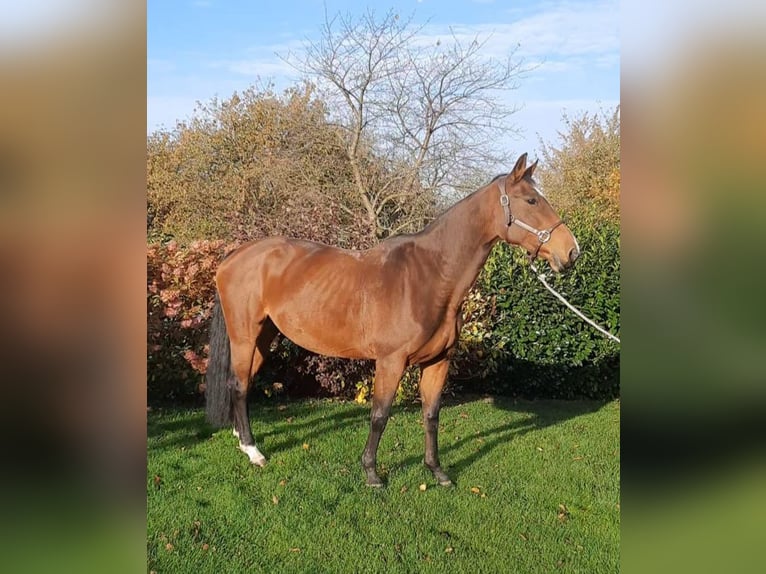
282 407
282 482
169 547
464 415
540 448
523 537
483 495
404 489
274 499
290 419
578 457
423 487
205 546
449 550
563 513
305 446
475 489
295 549
157 480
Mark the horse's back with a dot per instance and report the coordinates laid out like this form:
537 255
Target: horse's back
267 259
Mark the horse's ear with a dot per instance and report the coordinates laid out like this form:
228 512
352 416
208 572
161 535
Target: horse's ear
518 169
531 169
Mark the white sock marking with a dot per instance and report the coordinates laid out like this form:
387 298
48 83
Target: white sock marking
253 454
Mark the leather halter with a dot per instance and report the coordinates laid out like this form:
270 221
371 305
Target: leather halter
543 235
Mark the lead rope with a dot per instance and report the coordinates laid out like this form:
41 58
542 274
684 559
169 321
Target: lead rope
561 298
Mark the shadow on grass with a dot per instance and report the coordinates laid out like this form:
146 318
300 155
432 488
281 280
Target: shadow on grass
537 415
266 420
304 421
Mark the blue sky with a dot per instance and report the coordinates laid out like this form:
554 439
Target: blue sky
198 49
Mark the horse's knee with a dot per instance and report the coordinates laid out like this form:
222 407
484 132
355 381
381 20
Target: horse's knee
378 420
431 419
431 415
237 389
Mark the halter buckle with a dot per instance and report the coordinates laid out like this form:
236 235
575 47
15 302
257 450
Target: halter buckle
543 236
504 201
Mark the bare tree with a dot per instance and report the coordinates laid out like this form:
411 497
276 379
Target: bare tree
428 109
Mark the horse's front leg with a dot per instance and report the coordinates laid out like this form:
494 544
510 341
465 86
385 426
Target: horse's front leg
432 379
388 371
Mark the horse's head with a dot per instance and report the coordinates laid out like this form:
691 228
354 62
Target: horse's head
530 222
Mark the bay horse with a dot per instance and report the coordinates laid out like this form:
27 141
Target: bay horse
397 303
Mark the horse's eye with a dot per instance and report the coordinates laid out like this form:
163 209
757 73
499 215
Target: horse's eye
531 201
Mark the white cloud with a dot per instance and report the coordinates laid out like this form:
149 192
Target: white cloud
560 32
542 119
164 111
261 67
263 61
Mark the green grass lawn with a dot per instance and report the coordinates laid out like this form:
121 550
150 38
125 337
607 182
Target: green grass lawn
537 490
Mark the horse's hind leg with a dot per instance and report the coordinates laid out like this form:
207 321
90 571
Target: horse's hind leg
247 359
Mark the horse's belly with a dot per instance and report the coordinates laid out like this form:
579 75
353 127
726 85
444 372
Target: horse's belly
323 334
318 303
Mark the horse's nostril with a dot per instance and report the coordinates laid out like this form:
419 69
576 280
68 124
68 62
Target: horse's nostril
573 255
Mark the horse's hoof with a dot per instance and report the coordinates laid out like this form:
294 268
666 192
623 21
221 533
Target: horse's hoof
256 457
374 482
440 476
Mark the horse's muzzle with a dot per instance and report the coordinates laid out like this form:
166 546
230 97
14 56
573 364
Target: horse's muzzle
558 265
574 253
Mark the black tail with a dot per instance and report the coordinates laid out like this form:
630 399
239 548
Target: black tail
218 398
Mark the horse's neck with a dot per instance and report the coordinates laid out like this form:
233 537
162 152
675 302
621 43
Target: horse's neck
463 237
